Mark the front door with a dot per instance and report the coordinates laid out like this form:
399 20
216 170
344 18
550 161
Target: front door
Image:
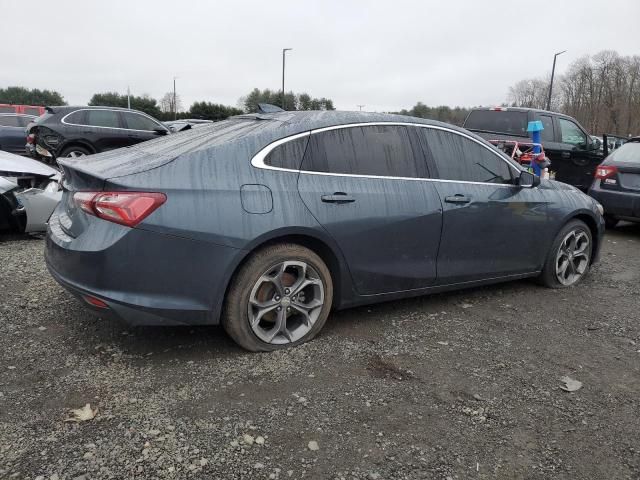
491 228
573 155
366 186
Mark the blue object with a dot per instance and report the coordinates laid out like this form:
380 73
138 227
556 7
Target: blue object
535 128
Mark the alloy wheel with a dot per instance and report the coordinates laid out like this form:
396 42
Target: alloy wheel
573 257
285 302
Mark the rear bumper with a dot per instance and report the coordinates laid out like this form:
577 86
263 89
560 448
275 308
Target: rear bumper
144 278
615 203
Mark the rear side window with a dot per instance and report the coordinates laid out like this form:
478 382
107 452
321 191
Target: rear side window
136 121
77 117
25 120
9 121
459 158
498 121
288 155
102 118
627 153
548 132
384 150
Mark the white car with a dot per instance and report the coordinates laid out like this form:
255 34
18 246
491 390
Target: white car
29 192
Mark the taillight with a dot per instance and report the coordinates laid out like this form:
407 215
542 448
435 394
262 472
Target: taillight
125 208
31 139
605 171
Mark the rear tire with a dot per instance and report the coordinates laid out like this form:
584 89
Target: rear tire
75 151
610 222
280 298
569 257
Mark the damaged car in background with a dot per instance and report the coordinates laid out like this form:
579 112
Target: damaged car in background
29 192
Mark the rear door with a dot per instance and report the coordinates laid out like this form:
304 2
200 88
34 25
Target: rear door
367 186
491 228
12 133
104 129
141 128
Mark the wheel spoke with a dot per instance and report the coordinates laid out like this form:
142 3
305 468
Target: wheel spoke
281 324
304 283
255 321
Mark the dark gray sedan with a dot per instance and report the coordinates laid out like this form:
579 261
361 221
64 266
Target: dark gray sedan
265 222
617 184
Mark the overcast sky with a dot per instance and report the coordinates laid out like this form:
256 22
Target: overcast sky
386 55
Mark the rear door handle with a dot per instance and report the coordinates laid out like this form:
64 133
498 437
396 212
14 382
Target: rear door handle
565 155
337 197
457 199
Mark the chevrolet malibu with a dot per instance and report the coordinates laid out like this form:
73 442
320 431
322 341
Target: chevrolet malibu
265 222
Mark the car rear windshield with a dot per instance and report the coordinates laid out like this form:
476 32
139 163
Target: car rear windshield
627 153
498 121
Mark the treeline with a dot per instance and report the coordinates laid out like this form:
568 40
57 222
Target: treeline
455 115
169 107
25 96
292 101
601 91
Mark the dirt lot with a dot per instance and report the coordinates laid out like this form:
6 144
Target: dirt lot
463 385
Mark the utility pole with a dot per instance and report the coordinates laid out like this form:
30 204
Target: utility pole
360 107
553 71
175 105
128 99
284 51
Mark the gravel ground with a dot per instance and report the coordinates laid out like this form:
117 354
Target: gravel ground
460 385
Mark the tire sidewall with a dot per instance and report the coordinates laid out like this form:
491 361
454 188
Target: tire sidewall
235 316
549 277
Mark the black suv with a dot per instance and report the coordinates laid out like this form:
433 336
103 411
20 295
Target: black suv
77 131
574 154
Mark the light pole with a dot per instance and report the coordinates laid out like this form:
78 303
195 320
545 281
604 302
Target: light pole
284 50
553 71
360 107
175 105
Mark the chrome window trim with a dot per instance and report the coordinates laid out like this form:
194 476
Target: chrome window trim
63 120
258 160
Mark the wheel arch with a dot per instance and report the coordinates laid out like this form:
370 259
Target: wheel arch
320 244
589 219
77 143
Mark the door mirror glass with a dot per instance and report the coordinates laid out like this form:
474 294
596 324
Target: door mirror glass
160 131
528 180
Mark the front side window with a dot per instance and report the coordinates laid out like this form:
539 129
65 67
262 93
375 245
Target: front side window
571 133
460 158
9 121
288 155
136 121
102 118
377 150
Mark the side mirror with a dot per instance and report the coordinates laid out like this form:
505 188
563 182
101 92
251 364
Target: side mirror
160 131
528 180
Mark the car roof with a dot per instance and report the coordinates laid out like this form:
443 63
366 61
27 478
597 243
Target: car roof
71 108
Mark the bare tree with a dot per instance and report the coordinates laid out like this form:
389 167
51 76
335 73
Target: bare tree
602 91
167 103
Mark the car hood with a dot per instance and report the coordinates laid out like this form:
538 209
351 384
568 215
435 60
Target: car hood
11 165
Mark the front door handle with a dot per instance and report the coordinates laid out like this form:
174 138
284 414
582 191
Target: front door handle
337 197
457 199
565 155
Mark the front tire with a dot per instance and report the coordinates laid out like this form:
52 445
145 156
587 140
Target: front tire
280 298
569 258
